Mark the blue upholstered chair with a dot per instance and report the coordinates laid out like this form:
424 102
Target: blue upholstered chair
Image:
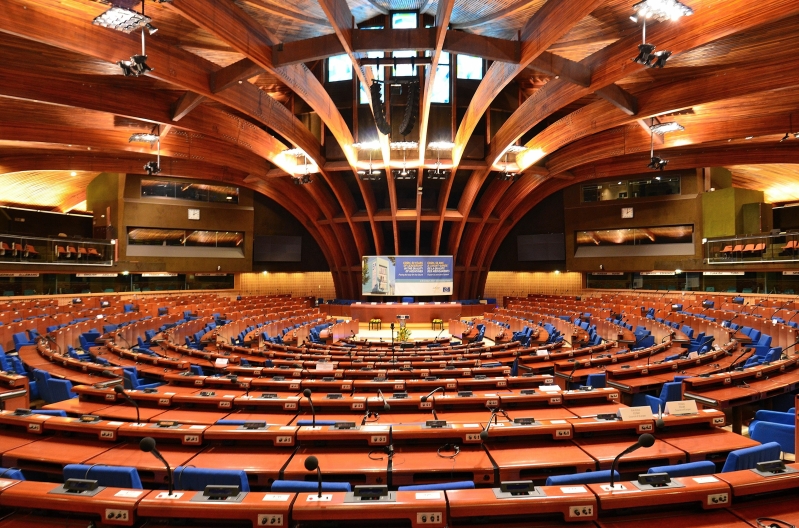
749 457
196 479
300 486
671 391
703 467
589 477
60 390
11 473
113 476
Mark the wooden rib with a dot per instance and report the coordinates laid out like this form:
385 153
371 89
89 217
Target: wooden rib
512 9
340 17
609 65
419 39
557 66
170 64
105 95
548 24
187 102
443 13
620 98
228 76
244 34
282 11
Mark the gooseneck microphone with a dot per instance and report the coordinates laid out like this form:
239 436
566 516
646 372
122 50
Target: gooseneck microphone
307 394
312 463
493 418
147 445
121 391
645 440
386 406
431 395
735 361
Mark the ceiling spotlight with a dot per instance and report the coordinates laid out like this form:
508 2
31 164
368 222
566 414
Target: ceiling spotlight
660 59
370 175
749 137
515 149
302 179
73 174
122 19
507 176
663 128
404 145
143 138
657 163
437 174
151 29
136 66
367 145
404 174
645 52
661 10
152 168
440 145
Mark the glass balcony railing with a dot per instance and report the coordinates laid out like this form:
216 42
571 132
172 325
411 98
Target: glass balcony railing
60 251
781 247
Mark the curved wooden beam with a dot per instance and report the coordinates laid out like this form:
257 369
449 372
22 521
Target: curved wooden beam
609 65
246 35
544 28
502 13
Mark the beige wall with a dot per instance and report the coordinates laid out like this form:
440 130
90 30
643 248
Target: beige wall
311 283
520 283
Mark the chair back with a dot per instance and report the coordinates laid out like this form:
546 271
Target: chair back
112 476
443 486
703 467
196 479
749 457
589 477
300 486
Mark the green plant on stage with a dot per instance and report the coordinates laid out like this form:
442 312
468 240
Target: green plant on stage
403 334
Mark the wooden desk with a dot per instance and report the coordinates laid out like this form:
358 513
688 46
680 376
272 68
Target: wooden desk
748 482
50 455
408 507
11 440
419 313
780 507
705 491
707 444
730 397
150 468
522 511
707 519
35 495
421 465
192 416
339 463
26 520
605 449
539 459
257 507
262 464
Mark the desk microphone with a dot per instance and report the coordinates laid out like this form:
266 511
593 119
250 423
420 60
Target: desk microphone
494 413
147 445
386 406
780 308
431 395
312 463
645 440
732 365
571 374
121 391
307 394
789 346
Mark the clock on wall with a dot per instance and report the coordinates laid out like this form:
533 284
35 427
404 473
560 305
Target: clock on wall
194 214
626 212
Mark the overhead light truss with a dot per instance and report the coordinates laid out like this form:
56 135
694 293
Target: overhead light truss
661 10
121 19
664 128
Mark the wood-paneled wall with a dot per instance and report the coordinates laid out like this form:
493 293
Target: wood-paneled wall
520 283
314 284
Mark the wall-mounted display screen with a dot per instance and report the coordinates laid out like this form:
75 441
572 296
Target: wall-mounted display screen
407 275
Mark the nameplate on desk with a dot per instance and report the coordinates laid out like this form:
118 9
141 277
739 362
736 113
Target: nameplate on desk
276 497
428 495
681 408
573 489
166 496
542 352
326 497
629 414
128 494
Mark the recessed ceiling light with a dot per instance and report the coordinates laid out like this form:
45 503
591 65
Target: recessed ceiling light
73 173
749 137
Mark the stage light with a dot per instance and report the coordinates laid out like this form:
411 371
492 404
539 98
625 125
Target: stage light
440 145
645 53
121 19
371 174
663 128
135 67
151 29
437 174
152 168
404 174
660 59
656 163
404 145
302 180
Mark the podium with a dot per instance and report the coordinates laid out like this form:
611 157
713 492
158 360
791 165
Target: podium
403 319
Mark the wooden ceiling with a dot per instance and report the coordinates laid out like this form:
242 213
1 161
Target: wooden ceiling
236 82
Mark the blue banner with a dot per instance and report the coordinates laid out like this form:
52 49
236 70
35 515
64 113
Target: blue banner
407 275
